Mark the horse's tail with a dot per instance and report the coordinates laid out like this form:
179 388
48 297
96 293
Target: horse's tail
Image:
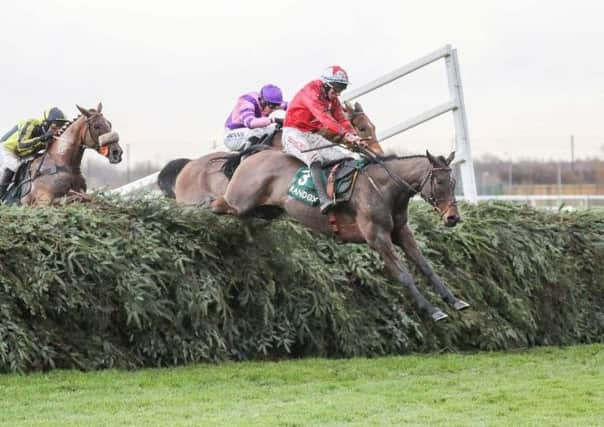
167 176
233 160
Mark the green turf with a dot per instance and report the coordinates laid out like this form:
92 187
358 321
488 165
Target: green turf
543 386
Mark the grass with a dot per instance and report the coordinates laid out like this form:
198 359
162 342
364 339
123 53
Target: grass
543 386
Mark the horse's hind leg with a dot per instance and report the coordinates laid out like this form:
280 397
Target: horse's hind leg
245 192
403 237
379 239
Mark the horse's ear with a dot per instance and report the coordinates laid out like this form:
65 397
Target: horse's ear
450 158
99 107
84 111
358 108
348 108
430 157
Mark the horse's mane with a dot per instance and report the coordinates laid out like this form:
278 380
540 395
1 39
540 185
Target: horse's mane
66 125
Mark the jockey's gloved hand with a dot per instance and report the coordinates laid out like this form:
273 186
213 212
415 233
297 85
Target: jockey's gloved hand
351 138
47 136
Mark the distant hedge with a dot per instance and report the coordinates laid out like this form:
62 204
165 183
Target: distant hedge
142 283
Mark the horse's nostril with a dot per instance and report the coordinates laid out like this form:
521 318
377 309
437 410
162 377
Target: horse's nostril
452 219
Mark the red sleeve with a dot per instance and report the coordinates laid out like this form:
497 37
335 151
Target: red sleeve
338 114
310 99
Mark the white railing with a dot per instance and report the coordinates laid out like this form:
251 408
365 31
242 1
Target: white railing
456 105
138 185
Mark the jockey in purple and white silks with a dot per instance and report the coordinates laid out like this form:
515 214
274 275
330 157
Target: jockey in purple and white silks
250 119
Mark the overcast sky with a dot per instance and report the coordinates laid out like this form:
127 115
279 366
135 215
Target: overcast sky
169 72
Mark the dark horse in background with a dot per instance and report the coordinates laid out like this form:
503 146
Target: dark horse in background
57 173
376 214
201 181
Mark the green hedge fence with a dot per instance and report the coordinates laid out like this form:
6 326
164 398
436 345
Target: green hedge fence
144 282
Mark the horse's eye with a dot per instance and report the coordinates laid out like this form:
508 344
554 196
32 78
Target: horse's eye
97 127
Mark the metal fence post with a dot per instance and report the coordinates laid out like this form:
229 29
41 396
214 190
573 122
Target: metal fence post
463 153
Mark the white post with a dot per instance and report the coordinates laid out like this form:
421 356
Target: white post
463 154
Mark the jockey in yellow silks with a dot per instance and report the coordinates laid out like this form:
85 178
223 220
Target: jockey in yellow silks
25 138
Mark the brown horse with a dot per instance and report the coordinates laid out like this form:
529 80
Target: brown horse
377 212
200 181
57 172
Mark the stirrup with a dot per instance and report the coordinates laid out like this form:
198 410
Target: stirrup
326 206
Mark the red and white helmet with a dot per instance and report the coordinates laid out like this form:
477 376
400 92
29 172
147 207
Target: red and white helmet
335 74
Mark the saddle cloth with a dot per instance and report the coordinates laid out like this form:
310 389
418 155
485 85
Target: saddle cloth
302 187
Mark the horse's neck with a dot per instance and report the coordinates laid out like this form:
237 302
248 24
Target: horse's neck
66 149
412 170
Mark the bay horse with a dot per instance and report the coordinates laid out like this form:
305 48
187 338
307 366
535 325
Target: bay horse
376 214
201 181
57 172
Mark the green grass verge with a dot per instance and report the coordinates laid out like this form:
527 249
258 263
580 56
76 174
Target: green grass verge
543 386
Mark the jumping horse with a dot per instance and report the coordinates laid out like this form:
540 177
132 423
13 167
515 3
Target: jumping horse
376 214
57 173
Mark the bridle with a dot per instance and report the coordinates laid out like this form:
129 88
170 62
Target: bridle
431 198
94 136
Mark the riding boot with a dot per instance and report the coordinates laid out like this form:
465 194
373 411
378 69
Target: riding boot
324 200
5 180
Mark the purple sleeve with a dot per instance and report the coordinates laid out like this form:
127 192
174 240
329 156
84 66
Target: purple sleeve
244 113
257 122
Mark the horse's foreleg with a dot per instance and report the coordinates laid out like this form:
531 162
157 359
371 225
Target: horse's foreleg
403 237
220 206
77 196
380 240
39 199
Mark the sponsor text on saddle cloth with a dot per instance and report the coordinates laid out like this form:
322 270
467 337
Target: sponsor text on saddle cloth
303 189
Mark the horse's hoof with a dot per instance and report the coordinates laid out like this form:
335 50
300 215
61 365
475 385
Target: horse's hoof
460 305
439 315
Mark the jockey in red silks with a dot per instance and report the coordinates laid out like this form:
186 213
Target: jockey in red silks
314 107
250 120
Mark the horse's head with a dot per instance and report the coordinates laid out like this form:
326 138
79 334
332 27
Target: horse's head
364 126
99 135
438 188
